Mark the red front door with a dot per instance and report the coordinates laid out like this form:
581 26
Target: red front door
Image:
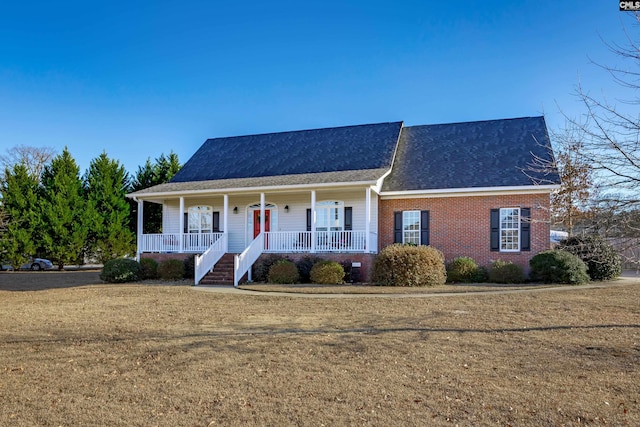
256 222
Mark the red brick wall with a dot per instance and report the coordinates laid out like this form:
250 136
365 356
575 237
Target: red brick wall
460 226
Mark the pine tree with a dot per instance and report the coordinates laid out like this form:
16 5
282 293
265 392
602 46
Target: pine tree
64 212
107 184
20 203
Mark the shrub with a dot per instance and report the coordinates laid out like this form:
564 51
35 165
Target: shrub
149 268
465 270
189 267
171 269
404 265
260 270
305 264
505 272
121 270
603 262
284 272
558 266
327 273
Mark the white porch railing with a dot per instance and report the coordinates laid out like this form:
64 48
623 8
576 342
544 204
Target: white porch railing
244 261
170 242
325 241
205 262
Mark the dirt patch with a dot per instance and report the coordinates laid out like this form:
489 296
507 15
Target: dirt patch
168 355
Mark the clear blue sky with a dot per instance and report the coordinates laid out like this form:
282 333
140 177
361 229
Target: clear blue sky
141 78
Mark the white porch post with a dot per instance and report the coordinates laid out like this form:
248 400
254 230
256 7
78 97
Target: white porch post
181 247
367 222
313 221
140 228
225 219
262 219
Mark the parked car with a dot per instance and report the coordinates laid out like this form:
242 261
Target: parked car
34 264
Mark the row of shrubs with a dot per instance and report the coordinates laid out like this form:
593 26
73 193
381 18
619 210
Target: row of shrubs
124 270
308 269
577 260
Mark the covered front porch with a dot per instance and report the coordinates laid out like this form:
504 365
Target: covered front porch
331 220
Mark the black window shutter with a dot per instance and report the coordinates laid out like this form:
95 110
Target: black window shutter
397 227
525 229
495 230
309 219
424 228
348 219
186 222
216 222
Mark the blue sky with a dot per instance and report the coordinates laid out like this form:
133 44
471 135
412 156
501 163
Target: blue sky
141 78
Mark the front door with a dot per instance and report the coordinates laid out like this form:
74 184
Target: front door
256 222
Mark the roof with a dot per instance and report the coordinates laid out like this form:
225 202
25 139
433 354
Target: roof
495 153
339 149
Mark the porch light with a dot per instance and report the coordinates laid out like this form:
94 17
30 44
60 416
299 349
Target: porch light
286 208
235 210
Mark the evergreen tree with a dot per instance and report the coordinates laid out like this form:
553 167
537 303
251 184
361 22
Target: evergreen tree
160 172
20 204
107 184
64 211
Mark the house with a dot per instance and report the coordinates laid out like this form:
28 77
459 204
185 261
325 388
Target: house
344 193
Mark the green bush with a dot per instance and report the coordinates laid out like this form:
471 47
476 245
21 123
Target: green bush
603 262
327 273
260 269
404 265
283 272
305 264
149 268
558 266
465 270
189 267
171 269
121 270
505 272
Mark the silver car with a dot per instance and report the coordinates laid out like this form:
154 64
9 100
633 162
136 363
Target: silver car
35 264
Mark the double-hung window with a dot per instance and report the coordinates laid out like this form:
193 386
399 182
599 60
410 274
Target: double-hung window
411 227
509 229
330 216
200 219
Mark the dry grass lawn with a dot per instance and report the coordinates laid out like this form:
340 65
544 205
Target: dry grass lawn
129 355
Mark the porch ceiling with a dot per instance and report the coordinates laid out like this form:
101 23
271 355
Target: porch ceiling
262 184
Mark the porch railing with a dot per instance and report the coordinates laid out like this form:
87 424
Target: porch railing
170 242
325 241
244 261
205 262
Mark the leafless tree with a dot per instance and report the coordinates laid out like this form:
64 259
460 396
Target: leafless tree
34 158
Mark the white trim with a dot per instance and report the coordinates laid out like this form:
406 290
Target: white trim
519 229
462 192
243 190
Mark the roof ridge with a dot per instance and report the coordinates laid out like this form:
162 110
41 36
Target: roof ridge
478 121
306 130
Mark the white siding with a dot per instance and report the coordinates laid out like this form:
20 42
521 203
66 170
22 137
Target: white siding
240 228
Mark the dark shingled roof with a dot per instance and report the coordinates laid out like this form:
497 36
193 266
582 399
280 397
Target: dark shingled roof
470 155
348 148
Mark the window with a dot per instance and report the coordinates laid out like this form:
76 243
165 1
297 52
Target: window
509 229
200 219
411 227
329 216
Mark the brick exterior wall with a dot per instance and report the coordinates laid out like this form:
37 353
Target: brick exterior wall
460 226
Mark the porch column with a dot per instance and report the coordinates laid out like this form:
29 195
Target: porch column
225 219
181 247
367 221
140 228
262 212
313 221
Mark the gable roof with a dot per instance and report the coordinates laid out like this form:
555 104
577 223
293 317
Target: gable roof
494 153
317 151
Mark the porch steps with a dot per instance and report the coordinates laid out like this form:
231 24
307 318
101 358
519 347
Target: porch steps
222 273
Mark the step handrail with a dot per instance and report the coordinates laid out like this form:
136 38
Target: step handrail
205 262
243 262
